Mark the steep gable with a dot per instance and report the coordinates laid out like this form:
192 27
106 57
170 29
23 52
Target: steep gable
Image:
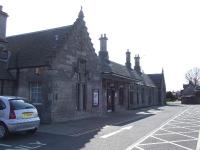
157 79
147 81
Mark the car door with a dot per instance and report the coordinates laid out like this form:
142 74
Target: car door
2 110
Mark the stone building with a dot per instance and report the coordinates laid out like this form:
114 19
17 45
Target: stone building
190 94
59 72
6 80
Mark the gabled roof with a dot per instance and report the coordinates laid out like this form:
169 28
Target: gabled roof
147 81
189 90
118 69
157 79
33 49
121 70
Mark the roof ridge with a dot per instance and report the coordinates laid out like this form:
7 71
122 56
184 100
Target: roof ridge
155 74
40 31
117 63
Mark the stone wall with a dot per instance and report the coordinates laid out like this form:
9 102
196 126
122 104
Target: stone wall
75 63
6 87
28 75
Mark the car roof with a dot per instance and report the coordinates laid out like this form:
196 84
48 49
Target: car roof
11 97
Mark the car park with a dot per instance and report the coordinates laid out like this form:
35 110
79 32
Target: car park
17 115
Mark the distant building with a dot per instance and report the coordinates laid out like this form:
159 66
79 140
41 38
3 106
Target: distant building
190 94
59 71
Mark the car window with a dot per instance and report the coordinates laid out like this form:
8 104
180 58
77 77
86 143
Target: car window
20 104
2 105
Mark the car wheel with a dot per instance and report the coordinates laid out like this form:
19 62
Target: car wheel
32 131
3 131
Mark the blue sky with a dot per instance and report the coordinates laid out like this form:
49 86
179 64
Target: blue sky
166 33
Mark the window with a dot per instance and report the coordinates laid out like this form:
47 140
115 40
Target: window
131 97
82 70
35 92
2 105
17 104
81 96
84 96
95 97
77 96
121 96
149 95
138 95
131 93
143 97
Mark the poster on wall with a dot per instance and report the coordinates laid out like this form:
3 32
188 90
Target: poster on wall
95 97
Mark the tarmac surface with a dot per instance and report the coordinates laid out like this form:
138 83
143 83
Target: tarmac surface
179 133
170 127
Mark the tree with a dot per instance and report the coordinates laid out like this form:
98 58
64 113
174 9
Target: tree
171 96
193 76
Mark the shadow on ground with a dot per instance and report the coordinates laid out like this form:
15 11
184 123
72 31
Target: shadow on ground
72 139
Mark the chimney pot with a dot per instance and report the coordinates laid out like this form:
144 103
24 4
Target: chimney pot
103 47
103 42
137 64
3 18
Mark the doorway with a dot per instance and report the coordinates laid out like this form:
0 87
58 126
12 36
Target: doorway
110 100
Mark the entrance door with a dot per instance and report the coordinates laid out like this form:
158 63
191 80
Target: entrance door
110 100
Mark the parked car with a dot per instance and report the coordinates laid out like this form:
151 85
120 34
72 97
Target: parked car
17 115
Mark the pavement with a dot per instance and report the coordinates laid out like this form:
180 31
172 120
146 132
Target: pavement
87 125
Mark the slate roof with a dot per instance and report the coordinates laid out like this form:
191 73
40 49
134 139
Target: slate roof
156 78
189 90
121 70
33 49
118 69
147 81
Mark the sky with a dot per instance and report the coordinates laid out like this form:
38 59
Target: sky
165 33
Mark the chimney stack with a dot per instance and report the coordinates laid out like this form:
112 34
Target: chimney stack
128 59
137 64
103 53
103 42
3 18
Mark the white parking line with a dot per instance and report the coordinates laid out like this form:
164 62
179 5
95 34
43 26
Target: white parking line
198 142
168 142
139 148
172 143
147 136
180 127
179 133
116 132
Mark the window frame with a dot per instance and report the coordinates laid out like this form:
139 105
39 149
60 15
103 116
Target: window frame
37 91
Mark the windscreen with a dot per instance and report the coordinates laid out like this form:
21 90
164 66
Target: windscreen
17 104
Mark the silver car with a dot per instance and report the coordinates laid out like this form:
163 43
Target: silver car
17 115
